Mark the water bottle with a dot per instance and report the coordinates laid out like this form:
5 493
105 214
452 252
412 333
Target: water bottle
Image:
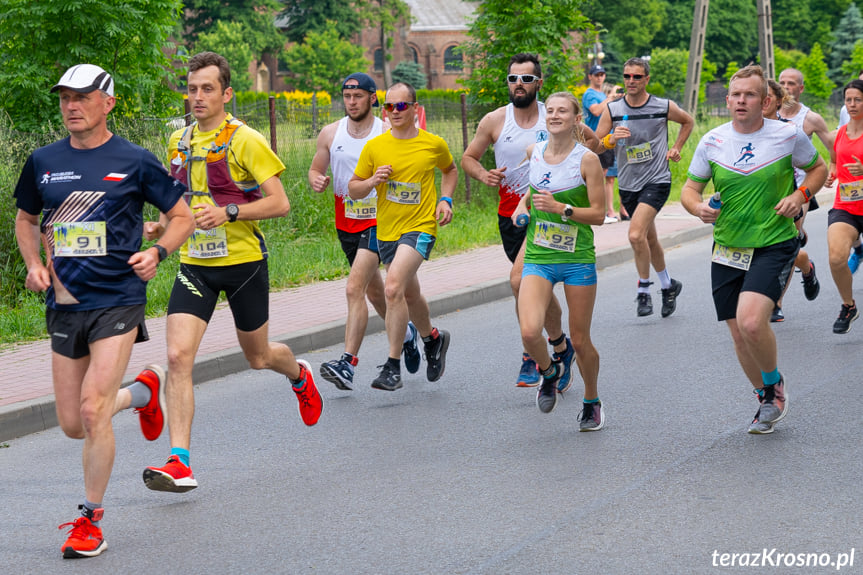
624 123
522 220
715 203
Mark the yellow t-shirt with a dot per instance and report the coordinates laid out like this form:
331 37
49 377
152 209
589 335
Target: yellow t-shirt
249 158
407 201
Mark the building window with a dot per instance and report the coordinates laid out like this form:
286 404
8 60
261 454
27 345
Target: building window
452 61
414 55
379 60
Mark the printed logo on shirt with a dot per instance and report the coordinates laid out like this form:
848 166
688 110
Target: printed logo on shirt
338 149
747 153
546 179
507 140
114 177
541 135
59 177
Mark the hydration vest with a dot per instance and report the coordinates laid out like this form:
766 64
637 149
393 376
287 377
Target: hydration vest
221 187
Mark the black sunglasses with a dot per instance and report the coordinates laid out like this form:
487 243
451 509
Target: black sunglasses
400 106
633 76
524 78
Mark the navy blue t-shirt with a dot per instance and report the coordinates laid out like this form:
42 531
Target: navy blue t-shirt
91 203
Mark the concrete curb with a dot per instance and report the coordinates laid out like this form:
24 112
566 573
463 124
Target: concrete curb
28 417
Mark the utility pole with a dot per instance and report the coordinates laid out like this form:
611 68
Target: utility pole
765 38
696 56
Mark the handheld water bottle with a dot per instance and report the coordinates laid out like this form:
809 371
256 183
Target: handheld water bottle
624 123
715 203
522 220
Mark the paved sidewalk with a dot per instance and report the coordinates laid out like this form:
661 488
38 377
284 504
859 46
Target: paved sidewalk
307 318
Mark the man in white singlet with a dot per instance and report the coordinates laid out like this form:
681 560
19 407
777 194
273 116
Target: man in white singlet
511 129
338 147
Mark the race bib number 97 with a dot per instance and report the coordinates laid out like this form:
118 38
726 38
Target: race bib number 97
554 236
740 258
79 239
404 192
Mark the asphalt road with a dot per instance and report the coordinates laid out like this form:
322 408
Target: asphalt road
467 476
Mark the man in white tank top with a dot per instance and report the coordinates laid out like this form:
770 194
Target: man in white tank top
511 129
338 147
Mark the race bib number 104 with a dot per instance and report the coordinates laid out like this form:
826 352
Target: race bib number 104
209 243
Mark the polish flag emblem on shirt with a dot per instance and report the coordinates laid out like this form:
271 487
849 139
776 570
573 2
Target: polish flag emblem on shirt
114 177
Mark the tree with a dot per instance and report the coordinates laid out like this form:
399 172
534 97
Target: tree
787 16
229 40
818 85
384 15
40 40
850 28
303 16
852 67
257 18
634 23
323 60
668 74
503 28
411 73
786 59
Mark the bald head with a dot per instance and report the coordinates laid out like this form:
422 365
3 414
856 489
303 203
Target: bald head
791 80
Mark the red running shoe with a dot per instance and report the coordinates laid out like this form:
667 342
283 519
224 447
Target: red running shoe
152 416
174 477
311 404
85 539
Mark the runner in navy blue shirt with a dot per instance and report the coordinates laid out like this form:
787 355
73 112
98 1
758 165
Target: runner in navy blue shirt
90 190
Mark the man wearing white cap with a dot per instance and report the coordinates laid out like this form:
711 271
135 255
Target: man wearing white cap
90 189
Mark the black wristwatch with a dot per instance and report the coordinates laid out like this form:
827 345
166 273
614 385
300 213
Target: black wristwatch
163 253
567 212
232 211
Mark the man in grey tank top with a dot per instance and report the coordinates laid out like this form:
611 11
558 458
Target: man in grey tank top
636 127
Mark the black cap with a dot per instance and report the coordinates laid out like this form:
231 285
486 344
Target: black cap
596 70
363 82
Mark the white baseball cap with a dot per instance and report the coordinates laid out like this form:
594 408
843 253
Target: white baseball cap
85 78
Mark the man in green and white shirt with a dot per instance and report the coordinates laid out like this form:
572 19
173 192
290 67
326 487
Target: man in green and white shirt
751 161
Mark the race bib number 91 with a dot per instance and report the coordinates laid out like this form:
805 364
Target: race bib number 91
364 209
79 239
209 243
554 236
740 258
404 192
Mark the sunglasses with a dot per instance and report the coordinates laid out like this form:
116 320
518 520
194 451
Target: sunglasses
633 76
523 78
399 106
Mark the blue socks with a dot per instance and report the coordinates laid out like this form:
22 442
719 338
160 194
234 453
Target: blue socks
181 453
770 377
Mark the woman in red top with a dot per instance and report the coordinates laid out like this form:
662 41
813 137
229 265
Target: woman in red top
845 221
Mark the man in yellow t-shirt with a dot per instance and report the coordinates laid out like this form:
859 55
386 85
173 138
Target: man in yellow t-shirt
400 164
233 181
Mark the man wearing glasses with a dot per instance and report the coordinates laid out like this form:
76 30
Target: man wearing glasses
400 166
512 129
338 147
636 126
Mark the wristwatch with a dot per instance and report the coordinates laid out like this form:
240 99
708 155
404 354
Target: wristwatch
232 211
567 213
163 253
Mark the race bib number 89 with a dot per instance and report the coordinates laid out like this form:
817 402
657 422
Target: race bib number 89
554 236
79 239
404 192
740 258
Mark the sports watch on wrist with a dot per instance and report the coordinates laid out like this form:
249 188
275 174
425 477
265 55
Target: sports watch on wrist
567 213
163 253
232 211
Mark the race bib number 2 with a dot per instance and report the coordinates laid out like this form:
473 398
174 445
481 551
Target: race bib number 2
209 243
740 258
851 191
364 209
404 192
79 239
551 235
